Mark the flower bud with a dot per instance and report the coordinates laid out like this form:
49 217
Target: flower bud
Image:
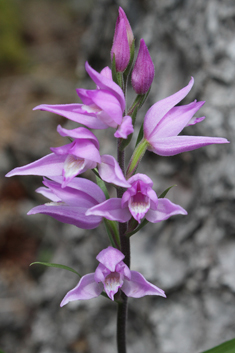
122 42
130 36
143 72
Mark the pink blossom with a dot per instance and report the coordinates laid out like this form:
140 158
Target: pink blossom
74 159
111 275
69 204
139 201
163 122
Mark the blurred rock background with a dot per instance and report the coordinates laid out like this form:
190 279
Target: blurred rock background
43 47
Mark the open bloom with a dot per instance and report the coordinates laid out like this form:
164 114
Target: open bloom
111 275
69 204
138 201
75 158
101 108
163 122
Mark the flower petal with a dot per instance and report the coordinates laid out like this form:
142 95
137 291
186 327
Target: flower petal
68 214
159 109
87 288
175 120
79 133
48 194
125 129
138 287
108 103
74 112
111 172
195 120
50 165
70 195
84 185
74 166
165 209
171 146
110 257
110 209
105 83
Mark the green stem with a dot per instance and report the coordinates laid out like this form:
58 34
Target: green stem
125 249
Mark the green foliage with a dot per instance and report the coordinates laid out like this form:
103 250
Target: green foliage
55 265
226 347
12 53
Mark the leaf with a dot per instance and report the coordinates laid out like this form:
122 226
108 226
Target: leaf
226 347
1 351
101 183
55 265
163 194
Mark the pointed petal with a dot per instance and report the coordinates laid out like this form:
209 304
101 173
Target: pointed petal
106 72
159 109
70 196
112 210
195 120
50 165
171 146
165 209
125 129
106 84
110 257
111 172
48 194
175 120
79 133
85 149
108 103
74 112
138 287
87 288
68 214
86 186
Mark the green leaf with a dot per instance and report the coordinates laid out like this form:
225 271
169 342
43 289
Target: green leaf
226 347
163 194
101 183
1 351
112 230
55 265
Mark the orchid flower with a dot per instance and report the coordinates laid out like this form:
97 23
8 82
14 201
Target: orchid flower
139 201
101 108
69 204
111 275
163 122
75 158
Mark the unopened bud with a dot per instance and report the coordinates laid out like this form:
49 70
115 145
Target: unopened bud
143 72
122 42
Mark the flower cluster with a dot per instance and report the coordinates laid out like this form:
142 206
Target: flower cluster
81 202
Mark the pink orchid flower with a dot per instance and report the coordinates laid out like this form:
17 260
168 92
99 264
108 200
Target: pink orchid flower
138 201
163 122
75 158
101 108
111 275
69 204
